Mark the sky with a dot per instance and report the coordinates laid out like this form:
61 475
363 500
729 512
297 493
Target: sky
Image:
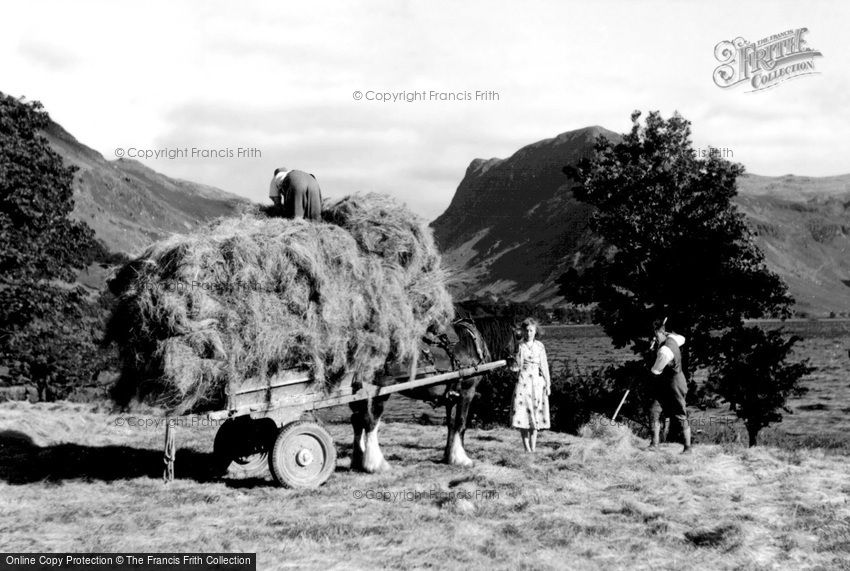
278 79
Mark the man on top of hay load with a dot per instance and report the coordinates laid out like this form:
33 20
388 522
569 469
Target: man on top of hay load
670 388
299 192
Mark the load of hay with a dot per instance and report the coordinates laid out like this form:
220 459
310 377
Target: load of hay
251 296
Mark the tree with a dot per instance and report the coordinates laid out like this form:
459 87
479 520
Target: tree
676 244
754 376
47 325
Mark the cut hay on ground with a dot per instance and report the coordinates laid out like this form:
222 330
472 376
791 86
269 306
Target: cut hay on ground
609 437
250 296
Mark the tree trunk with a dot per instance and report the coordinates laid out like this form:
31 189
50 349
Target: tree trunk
43 388
753 431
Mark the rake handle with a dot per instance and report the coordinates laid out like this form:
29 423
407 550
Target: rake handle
622 402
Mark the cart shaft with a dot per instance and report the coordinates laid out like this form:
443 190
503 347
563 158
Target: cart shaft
317 400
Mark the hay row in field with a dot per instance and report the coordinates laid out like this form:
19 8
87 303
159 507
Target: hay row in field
249 296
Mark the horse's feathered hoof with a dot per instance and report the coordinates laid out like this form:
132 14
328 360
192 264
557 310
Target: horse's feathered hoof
376 468
462 462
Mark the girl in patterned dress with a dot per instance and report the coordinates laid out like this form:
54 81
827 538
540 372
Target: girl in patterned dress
531 394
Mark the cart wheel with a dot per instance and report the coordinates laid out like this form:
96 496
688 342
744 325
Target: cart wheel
242 447
303 455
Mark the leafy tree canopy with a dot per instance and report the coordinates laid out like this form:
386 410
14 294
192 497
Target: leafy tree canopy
47 325
677 246
753 373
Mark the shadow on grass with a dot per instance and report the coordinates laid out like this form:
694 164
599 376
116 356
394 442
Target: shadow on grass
248 483
417 446
487 438
24 462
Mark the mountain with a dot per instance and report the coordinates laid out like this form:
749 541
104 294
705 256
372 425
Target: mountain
514 226
803 227
130 205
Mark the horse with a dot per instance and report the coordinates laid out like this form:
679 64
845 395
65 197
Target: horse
475 341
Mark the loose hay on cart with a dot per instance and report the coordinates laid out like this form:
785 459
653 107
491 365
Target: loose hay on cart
251 296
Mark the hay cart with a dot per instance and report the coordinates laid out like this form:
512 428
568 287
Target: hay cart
271 422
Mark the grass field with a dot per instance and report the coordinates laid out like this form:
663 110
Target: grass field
73 478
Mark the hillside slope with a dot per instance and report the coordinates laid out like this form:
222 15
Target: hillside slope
806 240
514 226
130 205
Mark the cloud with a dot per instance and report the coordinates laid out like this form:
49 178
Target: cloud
52 57
281 80
349 146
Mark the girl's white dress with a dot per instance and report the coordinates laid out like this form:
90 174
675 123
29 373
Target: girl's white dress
530 402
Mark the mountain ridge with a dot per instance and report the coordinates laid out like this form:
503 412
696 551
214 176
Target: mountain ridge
514 226
129 205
